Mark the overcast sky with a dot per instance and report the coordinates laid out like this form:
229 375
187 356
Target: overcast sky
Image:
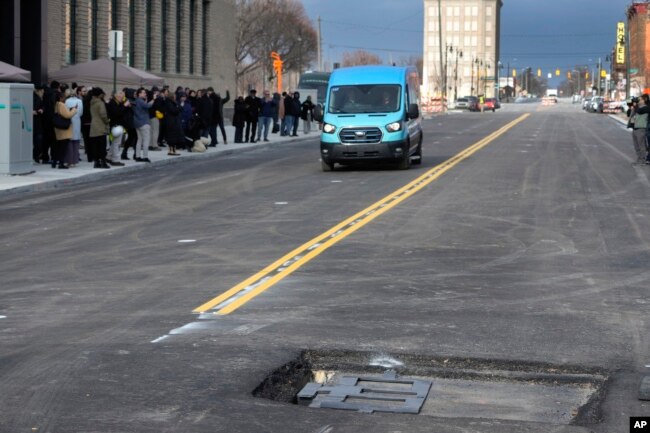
546 34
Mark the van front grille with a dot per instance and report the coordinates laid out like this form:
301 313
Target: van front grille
369 135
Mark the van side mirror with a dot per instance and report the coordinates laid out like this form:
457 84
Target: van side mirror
318 113
414 111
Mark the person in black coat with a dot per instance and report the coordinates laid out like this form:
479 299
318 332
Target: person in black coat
37 116
204 110
129 125
217 115
49 140
296 110
239 118
253 104
174 134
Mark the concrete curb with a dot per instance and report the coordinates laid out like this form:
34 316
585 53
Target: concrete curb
37 181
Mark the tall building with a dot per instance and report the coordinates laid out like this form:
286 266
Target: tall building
461 48
639 48
187 42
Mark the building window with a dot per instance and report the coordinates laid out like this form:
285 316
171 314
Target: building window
147 34
130 56
488 26
488 41
163 35
179 27
71 32
204 38
93 26
191 29
113 13
433 11
488 11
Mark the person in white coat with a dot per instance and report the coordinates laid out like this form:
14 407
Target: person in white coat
72 153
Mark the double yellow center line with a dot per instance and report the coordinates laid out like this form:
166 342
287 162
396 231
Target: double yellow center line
243 292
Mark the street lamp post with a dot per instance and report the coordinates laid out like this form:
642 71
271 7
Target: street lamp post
471 85
459 53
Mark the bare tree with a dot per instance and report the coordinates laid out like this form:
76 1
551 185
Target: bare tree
413 60
360 57
266 26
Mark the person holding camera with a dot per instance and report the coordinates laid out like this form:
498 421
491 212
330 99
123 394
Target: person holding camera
638 113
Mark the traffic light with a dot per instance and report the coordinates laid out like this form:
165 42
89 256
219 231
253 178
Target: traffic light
514 73
603 73
557 72
586 75
568 75
539 72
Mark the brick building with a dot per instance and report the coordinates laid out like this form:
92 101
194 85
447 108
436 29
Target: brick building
639 47
187 42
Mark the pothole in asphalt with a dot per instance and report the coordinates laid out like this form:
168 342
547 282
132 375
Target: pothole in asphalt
439 387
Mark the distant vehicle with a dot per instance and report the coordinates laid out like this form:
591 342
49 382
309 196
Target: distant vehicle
549 100
492 104
585 103
472 103
316 81
551 93
462 103
596 104
371 114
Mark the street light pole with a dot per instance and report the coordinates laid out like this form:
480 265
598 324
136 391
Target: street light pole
458 54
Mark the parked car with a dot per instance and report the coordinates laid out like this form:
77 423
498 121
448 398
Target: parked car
468 103
585 103
462 103
492 104
473 103
596 104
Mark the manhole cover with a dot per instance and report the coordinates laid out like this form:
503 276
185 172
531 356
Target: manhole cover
385 393
440 387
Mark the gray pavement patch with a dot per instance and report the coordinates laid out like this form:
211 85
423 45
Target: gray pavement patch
644 388
460 388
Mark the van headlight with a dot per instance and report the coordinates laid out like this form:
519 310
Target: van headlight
394 127
329 129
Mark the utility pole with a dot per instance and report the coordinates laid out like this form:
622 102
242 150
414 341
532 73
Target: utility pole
442 67
318 48
600 69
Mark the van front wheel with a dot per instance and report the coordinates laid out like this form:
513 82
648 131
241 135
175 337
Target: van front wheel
405 162
327 166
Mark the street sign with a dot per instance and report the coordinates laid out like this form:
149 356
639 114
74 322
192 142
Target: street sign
634 71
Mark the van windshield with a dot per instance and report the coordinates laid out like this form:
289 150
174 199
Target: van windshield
367 98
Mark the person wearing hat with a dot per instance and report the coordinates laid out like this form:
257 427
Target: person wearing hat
254 104
99 126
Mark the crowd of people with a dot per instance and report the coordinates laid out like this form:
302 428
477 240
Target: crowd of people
151 119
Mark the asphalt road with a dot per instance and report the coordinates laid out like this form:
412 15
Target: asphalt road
532 250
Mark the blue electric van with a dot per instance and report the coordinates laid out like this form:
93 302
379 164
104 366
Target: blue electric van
371 115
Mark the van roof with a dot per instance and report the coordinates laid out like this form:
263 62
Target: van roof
369 75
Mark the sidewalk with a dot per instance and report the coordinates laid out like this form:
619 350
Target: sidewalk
44 177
